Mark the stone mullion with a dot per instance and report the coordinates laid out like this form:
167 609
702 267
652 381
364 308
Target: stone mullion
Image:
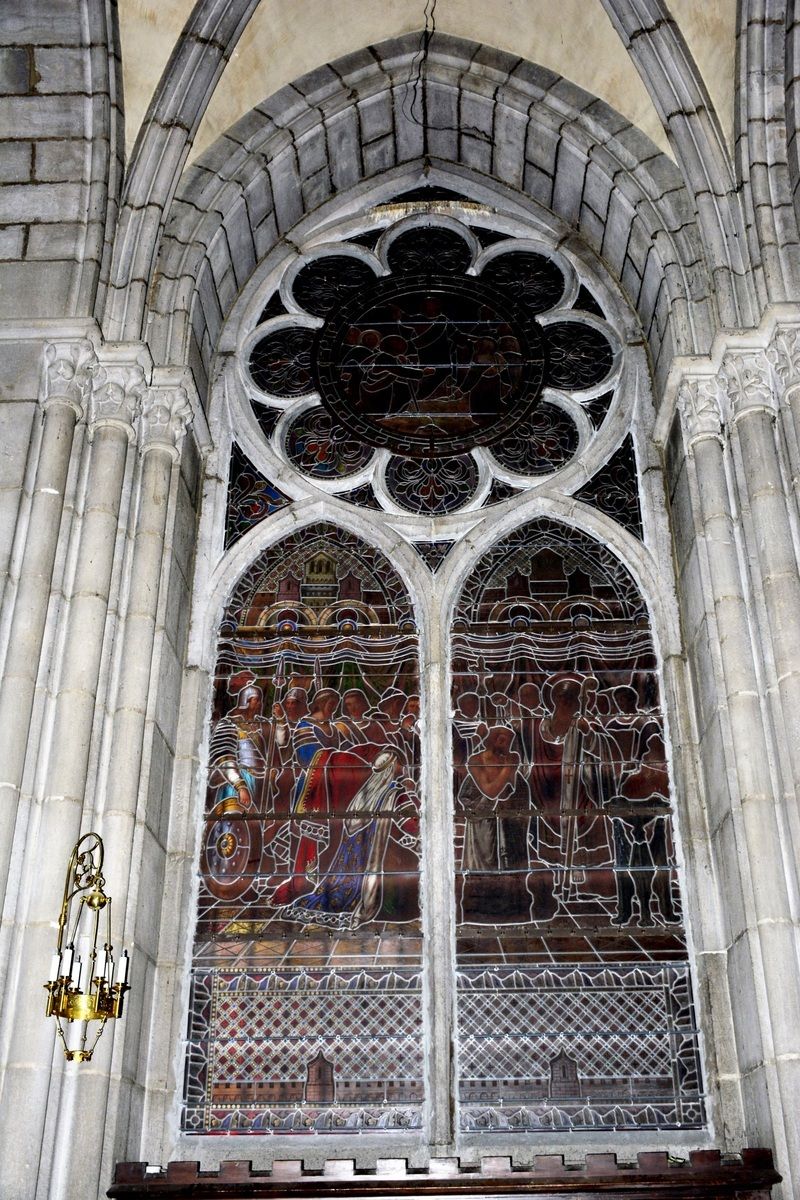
769 928
66 378
438 913
165 416
29 1074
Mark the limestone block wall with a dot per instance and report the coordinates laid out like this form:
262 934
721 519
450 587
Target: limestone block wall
60 124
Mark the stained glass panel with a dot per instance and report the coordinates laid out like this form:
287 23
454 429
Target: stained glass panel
363 496
499 491
306 984
320 446
579 355
429 250
615 489
430 485
327 281
251 497
543 442
280 363
429 368
598 408
533 279
585 302
434 553
575 1006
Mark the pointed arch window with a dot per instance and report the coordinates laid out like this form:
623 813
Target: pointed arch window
422 818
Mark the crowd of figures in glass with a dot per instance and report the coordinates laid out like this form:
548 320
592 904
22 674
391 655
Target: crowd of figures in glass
306 1007
574 999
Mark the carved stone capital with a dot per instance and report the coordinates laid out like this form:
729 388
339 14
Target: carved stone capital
116 397
67 374
749 383
701 401
166 415
783 355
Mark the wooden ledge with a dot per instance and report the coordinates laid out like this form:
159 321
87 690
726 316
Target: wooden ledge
705 1175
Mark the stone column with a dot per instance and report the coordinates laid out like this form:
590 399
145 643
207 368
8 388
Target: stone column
753 398
66 378
783 355
113 409
763 946
132 855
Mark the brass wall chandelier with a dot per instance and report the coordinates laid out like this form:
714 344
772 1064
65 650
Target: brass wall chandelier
85 984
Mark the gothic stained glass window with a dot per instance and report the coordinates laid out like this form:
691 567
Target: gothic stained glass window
574 997
615 489
434 373
306 983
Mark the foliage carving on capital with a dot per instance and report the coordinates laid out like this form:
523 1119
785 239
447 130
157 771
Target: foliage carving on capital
748 382
166 416
783 355
701 403
116 396
68 371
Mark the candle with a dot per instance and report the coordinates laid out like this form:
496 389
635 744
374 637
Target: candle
55 967
123 968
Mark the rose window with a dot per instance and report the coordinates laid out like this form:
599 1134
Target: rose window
418 374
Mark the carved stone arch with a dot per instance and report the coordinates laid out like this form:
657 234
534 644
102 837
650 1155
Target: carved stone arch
768 164
553 142
658 49
165 138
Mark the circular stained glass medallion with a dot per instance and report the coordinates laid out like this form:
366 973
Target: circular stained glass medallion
429 368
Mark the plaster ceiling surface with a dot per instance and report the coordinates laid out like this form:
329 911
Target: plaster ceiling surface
286 38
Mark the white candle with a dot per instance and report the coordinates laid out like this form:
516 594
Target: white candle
85 951
55 967
123 968
69 964
75 974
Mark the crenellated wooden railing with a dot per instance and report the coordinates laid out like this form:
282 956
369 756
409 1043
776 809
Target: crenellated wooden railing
706 1174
